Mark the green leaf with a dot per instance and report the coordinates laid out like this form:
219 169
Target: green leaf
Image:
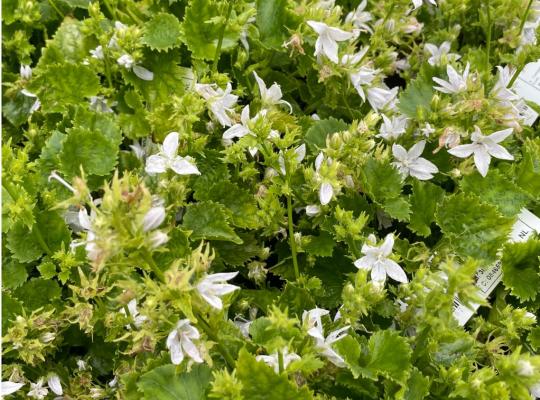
17 109
321 246
528 170
398 208
164 383
201 31
22 244
260 382
238 201
38 293
68 44
416 98
238 254
162 32
47 270
521 269
49 159
417 386
271 22
10 309
14 274
350 350
60 85
89 149
475 229
209 220
316 135
424 200
389 355
381 180
498 190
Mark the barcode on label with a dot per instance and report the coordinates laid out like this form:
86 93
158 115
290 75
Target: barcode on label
488 278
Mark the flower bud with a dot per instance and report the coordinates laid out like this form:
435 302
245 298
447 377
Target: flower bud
55 385
153 218
158 238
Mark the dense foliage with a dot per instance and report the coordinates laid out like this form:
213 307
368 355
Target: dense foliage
267 200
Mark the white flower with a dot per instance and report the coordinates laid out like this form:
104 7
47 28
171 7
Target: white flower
418 3
211 287
410 163
377 261
437 53
393 127
324 345
500 91
97 53
359 17
138 319
427 130
8 387
90 244
81 364
168 159
99 104
272 95
525 368
273 359
326 190
326 43
359 76
456 83
25 71
179 342
55 385
535 390
37 391
153 218
220 102
483 148
47 337
242 129
380 97
157 238
312 318
128 62
300 154
312 210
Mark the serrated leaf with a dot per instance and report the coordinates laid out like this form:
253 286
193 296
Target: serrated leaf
260 382
398 208
381 180
424 200
316 135
38 293
47 270
164 383
201 34
162 32
14 274
321 245
67 45
389 355
60 85
521 268
89 149
22 244
417 386
238 254
417 96
209 220
238 201
350 350
49 159
10 309
498 190
475 229
17 109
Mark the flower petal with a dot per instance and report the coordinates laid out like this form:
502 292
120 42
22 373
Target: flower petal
497 151
395 271
464 150
378 273
143 73
325 193
191 350
499 136
482 160
8 387
182 166
170 144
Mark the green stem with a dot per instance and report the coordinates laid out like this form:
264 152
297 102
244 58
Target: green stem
107 69
291 236
210 333
128 314
152 264
524 18
515 76
221 35
392 6
280 361
111 10
488 36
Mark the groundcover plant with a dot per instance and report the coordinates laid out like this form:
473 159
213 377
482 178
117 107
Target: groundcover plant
270 200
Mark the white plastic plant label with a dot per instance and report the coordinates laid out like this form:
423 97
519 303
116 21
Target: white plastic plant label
488 278
527 86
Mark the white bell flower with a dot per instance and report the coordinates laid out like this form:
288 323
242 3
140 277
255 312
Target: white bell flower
359 18
153 218
456 83
326 190
273 359
437 53
55 385
483 148
168 159
393 127
128 62
37 391
8 387
324 344
376 259
97 53
138 319
180 342
25 71
326 43
212 287
410 163
382 98
272 95
220 102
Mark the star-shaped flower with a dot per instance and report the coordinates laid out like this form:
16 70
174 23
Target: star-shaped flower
180 342
392 127
168 159
359 17
456 83
437 53
273 359
483 148
211 287
272 95
377 260
128 62
326 43
220 102
410 163
380 97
